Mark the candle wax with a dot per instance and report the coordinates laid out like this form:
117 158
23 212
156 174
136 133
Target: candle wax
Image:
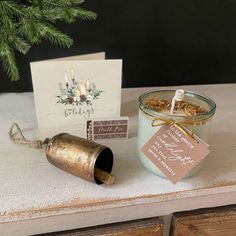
146 131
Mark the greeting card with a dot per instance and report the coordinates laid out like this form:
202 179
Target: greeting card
71 91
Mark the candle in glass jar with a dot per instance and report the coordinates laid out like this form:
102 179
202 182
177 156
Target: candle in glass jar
197 109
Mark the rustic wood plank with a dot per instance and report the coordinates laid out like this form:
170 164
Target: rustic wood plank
144 227
219 221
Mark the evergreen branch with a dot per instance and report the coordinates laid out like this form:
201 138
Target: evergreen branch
18 43
27 22
69 15
64 14
11 8
65 3
33 13
84 14
77 2
54 14
54 36
35 31
55 3
21 45
7 23
7 57
28 29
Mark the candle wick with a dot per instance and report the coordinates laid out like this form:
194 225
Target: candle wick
172 106
179 96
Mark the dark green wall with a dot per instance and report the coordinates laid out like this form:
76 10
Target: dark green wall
162 42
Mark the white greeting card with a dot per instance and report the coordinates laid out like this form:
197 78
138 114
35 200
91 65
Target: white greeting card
71 91
91 56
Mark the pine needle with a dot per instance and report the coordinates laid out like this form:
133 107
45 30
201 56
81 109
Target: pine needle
24 23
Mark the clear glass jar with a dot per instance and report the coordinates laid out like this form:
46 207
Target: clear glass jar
200 124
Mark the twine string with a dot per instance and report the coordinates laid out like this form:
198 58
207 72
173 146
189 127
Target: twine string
22 140
182 126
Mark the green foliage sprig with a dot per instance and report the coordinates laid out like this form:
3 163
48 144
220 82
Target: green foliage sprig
24 23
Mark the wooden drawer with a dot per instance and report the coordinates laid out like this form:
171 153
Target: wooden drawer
219 221
144 227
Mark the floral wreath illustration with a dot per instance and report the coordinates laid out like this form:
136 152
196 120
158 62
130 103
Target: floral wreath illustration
77 93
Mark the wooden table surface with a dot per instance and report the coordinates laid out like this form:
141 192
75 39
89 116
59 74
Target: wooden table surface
36 197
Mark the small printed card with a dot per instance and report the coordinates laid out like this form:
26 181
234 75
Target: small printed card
69 91
175 153
108 128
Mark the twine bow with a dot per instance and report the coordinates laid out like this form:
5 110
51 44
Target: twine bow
182 125
22 140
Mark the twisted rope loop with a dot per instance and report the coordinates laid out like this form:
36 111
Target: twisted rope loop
22 140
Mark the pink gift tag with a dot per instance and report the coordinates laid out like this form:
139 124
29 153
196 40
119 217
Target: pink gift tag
175 153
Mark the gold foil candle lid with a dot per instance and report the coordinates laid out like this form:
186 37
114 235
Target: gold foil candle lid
80 157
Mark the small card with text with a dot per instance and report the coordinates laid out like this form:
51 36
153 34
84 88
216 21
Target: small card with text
175 153
111 128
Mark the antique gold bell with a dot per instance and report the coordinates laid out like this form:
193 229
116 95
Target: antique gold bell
86 159
81 157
